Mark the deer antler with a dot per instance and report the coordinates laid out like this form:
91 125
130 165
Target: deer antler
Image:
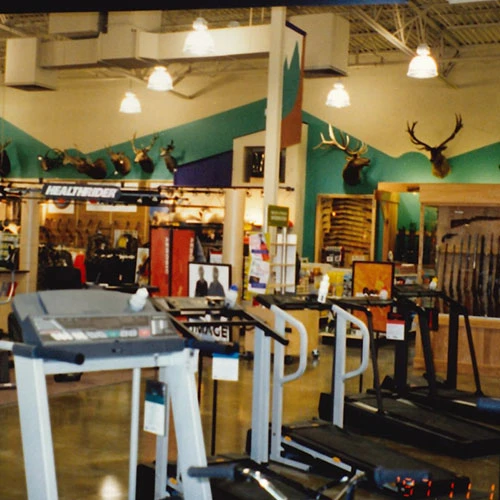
333 140
132 141
458 126
413 138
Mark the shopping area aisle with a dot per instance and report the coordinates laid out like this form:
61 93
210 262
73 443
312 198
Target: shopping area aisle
91 430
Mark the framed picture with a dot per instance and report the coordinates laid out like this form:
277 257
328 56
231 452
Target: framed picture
209 279
369 278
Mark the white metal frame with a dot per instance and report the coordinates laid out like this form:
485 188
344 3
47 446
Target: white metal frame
176 369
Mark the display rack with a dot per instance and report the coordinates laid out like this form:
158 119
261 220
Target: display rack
344 228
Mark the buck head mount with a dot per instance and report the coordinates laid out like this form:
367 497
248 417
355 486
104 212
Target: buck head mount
355 161
440 165
51 160
142 157
95 169
4 159
170 161
120 161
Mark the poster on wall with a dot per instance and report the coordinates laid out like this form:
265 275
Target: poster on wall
209 280
369 278
260 263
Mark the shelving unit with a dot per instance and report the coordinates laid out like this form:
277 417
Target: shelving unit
344 229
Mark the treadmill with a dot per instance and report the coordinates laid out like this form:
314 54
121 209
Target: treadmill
389 415
209 319
322 445
440 395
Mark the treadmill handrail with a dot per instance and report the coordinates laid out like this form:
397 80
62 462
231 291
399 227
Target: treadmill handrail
365 348
286 316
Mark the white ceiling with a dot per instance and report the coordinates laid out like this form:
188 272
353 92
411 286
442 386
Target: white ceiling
379 34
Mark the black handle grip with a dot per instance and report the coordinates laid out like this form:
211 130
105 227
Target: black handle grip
213 347
383 476
38 351
488 404
214 471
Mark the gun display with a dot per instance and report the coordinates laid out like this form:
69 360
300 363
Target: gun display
467 277
496 286
445 258
480 279
475 298
466 222
452 273
459 272
489 287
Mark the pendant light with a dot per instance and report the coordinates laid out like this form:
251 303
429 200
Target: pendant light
160 79
423 64
199 42
338 97
130 104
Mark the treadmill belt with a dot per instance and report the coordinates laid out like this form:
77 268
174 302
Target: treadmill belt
363 454
404 421
454 401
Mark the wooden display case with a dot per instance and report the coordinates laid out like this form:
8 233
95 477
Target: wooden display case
344 229
467 267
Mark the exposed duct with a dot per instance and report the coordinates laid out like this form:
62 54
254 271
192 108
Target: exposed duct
131 40
327 44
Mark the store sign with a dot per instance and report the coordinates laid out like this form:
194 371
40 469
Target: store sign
76 192
277 216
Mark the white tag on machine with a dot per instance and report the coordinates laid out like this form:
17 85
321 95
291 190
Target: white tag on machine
225 366
155 407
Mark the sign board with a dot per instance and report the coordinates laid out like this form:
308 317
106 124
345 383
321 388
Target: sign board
80 192
277 216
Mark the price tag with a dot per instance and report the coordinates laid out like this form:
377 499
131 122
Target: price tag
154 407
395 329
225 366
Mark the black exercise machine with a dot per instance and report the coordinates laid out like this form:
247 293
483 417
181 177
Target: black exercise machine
386 414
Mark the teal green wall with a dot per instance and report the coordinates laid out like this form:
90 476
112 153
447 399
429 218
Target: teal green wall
215 134
193 141
324 173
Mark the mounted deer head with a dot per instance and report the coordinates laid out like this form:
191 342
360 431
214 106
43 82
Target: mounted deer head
96 170
120 161
52 159
355 162
4 160
141 155
170 161
440 165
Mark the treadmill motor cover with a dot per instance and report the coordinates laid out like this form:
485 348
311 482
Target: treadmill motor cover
95 323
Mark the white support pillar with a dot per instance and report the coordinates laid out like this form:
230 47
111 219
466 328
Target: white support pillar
29 240
274 109
232 242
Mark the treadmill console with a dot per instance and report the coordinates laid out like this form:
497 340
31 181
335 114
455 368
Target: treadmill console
94 323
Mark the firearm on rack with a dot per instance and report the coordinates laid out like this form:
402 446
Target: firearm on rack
489 286
480 279
466 222
474 291
496 285
445 258
467 277
452 273
459 272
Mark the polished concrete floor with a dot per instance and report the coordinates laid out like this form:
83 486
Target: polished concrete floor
91 430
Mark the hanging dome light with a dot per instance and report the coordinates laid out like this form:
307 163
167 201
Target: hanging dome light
338 97
130 104
160 79
423 64
199 42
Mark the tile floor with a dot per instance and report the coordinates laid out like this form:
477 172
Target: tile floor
91 427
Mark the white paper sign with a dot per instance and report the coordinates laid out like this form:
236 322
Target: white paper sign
225 366
395 330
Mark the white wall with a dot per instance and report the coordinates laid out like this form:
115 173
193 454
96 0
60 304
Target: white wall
85 113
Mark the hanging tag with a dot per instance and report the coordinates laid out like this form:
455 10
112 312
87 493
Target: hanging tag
225 366
155 407
395 329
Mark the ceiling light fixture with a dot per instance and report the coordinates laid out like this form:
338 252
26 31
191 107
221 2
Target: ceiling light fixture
423 64
160 80
338 97
199 42
130 104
